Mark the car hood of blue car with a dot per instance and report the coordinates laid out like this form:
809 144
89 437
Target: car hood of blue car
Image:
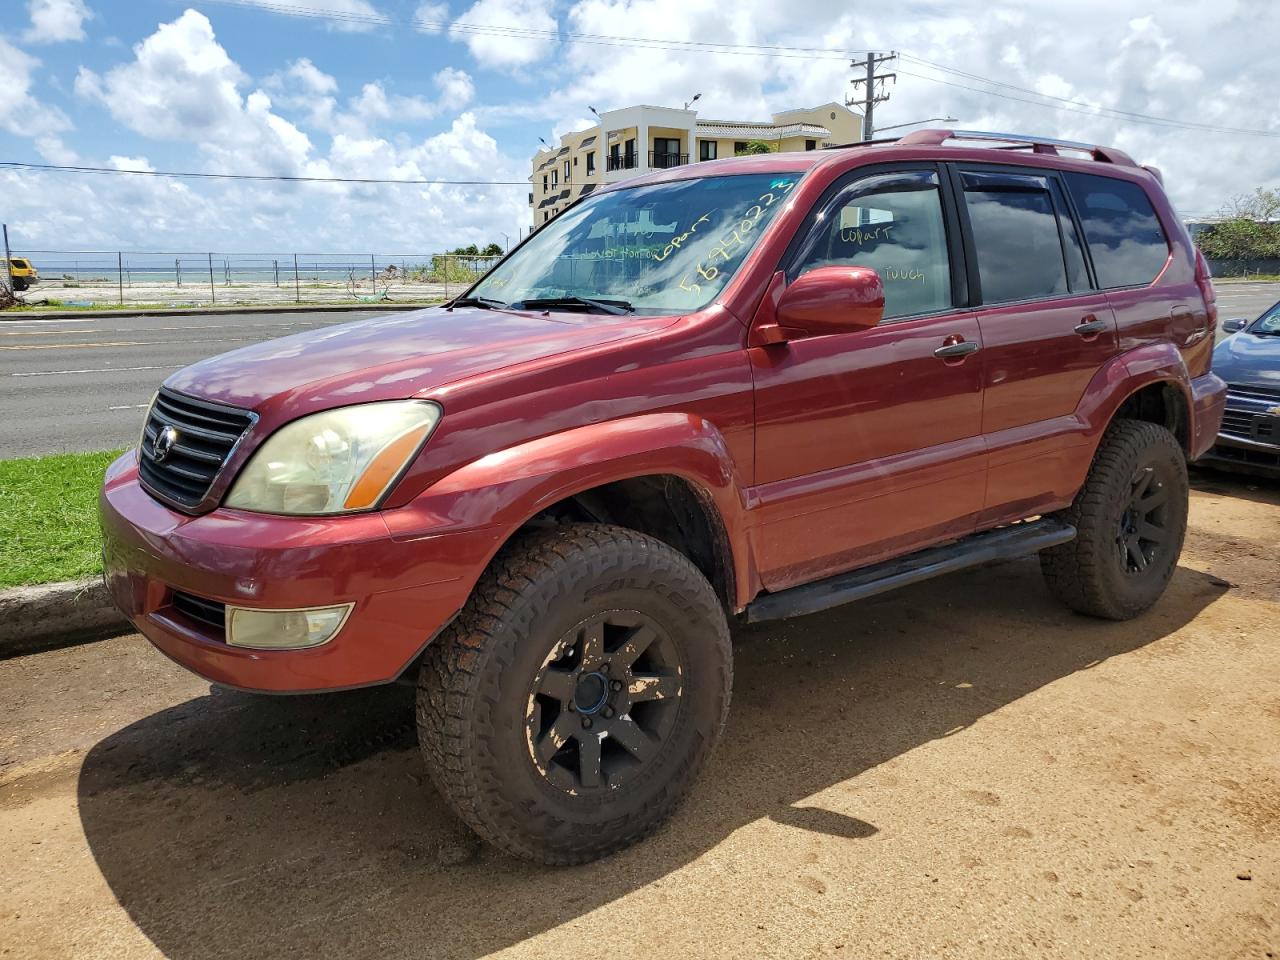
1248 360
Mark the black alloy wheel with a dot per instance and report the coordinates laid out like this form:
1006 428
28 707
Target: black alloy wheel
1144 525
604 703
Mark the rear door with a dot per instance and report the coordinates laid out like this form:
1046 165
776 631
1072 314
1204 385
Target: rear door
1046 331
868 443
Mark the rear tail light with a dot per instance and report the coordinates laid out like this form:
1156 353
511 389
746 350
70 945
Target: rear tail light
1204 280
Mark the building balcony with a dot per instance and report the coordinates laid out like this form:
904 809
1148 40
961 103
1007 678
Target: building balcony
664 161
623 161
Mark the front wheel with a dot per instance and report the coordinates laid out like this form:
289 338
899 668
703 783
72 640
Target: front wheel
1130 518
572 704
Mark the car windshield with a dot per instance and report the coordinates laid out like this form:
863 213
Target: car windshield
1268 324
662 248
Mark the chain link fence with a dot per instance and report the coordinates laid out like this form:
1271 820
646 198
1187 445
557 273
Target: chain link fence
135 278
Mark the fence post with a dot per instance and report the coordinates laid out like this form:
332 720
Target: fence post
213 296
8 267
275 265
226 272
177 270
297 290
373 275
120 275
445 258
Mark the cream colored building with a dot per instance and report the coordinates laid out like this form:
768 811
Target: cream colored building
636 140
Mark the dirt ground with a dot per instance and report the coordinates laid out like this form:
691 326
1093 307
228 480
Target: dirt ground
962 769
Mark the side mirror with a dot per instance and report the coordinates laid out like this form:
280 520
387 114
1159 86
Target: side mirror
1234 325
831 300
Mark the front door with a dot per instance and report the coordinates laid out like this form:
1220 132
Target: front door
869 443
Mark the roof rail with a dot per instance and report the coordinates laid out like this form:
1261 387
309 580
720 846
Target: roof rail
937 136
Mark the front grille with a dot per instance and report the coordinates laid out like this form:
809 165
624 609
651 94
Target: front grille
208 612
203 436
1237 423
1253 394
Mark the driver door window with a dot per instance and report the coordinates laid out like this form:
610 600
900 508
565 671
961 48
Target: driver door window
894 224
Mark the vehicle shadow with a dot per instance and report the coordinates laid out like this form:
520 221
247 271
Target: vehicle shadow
237 825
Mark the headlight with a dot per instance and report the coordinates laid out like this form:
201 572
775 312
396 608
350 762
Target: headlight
335 462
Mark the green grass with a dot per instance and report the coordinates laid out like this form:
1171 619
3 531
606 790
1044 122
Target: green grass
49 515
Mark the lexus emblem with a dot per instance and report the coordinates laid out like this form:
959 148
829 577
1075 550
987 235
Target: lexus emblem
165 440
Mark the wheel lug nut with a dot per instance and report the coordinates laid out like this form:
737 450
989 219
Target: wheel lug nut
608 711
586 723
616 685
572 707
604 668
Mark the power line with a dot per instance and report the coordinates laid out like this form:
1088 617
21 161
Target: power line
65 168
1068 105
738 49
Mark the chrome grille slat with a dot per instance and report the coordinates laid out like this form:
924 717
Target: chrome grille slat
207 433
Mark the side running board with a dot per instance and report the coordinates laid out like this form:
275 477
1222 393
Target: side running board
1006 543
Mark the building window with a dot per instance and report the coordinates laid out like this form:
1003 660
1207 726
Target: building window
555 178
566 171
544 183
739 147
706 149
591 163
811 144
630 152
575 161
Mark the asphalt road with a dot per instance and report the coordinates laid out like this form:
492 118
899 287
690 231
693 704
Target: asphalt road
960 770
82 384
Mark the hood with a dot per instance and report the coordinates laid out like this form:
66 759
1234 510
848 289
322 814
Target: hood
395 355
1247 360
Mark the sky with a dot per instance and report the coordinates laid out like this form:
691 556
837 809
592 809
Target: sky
460 90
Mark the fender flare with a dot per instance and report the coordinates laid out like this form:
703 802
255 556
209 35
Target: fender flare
1124 375
503 490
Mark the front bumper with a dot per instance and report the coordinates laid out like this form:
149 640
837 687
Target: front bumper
404 588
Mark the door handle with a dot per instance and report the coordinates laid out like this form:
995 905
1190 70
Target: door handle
1091 326
960 348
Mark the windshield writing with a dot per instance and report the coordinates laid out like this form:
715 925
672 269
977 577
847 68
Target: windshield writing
667 247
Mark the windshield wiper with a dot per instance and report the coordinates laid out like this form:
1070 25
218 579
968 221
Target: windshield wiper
615 307
487 302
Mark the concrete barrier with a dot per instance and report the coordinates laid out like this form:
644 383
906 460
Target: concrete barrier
56 615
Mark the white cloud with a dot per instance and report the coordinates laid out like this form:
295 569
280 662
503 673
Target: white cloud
20 112
183 86
131 163
353 16
431 17
498 49
53 21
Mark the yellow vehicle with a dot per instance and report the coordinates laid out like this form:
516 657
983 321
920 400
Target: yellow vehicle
22 272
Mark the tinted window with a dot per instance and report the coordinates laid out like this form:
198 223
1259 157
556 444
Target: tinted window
1015 230
893 224
1124 235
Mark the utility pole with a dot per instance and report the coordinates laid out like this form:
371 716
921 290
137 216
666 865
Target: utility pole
874 91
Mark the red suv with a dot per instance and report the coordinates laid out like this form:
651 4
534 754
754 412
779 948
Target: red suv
742 389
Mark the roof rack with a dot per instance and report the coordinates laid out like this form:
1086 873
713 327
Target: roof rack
935 137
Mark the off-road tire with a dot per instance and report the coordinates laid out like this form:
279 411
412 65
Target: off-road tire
1091 574
20 284
478 679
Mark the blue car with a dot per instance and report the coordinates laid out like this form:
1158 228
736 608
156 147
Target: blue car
1249 360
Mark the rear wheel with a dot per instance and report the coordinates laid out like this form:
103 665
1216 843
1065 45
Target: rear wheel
569 708
1130 518
20 284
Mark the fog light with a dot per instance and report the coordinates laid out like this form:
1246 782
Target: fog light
284 629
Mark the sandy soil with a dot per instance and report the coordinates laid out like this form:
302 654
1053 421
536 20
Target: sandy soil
962 769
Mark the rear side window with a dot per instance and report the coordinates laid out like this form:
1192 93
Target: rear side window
1015 231
1126 240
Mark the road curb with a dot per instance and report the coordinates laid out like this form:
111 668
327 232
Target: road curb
181 311
56 615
